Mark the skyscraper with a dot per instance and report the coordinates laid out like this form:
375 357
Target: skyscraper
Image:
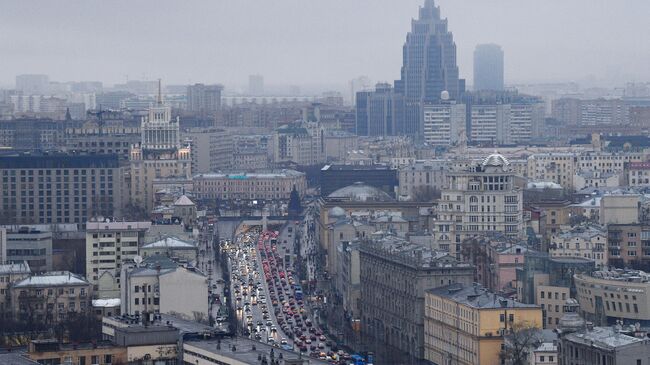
488 67
429 68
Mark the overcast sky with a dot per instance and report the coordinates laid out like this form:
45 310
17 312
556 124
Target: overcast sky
314 41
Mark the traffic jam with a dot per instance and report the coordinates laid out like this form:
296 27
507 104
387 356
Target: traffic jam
270 303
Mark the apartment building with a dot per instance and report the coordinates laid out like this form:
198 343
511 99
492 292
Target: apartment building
110 246
10 273
421 177
262 185
466 324
25 244
583 241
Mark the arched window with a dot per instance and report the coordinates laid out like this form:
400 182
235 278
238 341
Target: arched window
473 199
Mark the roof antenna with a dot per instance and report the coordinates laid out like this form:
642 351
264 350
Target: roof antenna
159 92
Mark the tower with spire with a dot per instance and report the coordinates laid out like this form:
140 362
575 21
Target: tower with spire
159 155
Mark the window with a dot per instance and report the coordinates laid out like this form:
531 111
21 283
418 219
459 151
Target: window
94 360
502 317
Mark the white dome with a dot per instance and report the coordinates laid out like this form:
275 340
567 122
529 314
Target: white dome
496 160
336 212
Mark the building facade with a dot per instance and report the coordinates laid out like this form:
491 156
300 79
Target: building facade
488 67
261 185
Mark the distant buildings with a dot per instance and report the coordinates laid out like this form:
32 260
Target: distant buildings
298 143
333 177
211 149
445 124
488 67
375 113
33 84
204 99
583 241
466 324
269 185
256 85
29 245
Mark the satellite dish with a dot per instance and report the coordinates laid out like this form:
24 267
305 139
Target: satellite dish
138 260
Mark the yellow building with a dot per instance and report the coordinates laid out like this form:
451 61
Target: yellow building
465 324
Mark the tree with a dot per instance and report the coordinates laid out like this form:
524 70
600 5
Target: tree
522 337
295 208
425 193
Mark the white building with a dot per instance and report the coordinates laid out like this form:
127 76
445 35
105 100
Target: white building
481 199
444 124
489 123
421 175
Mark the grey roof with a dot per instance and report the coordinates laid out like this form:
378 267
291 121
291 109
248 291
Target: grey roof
170 242
183 201
16 358
607 338
477 297
54 278
15 268
361 192
495 159
262 174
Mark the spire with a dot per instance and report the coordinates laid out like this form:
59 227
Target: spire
159 100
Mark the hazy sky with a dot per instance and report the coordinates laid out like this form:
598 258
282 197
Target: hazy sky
313 41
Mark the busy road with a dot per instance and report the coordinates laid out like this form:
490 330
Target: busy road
268 299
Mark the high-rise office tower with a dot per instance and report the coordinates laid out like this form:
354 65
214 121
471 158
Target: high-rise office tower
429 68
204 99
256 85
488 67
374 111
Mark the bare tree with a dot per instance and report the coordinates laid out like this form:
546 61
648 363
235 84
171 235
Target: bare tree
518 342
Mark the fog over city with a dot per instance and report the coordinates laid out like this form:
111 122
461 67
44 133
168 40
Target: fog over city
314 42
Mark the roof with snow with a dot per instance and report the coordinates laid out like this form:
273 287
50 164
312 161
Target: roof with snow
54 278
184 201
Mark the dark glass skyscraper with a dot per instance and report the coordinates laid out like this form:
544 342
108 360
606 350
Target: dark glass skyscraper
488 67
429 68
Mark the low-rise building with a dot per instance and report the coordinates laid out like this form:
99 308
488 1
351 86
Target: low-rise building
629 245
262 185
466 324
583 241
609 295
55 352
31 245
604 345
406 270
10 273
421 179
171 246
50 297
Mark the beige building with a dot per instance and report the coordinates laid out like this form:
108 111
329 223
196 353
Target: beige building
589 242
638 173
249 186
552 299
481 199
106 137
161 286
55 352
50 297
211 149
300 143
619 209
465 324
110 246
608 295
250 160
338 143
159 155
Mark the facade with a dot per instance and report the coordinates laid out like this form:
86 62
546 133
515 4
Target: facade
629 245
465 324
54 352
619 209
102 137
32 134
249 186
375 115
338 144
299 143
429 69
607 296
110 246
589 242
638 174
421 176
171 247
50 297
31 84
334 177
59 188
444 124
159 155
10 273
250 160
160 285
405 270
211 149
31 246
488 67
204 99
489 124
481 199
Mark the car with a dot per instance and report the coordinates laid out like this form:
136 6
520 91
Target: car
270 339
322 338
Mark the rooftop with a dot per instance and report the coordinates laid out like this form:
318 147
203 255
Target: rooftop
117 226
184 201
361 192
54 278
623 275
607 338
262 174
106 303
16 268
170 242
477 296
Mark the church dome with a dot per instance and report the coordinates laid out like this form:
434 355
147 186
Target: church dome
495 160
361 192
336 212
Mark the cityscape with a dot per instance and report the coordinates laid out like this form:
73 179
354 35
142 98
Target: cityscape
464 213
